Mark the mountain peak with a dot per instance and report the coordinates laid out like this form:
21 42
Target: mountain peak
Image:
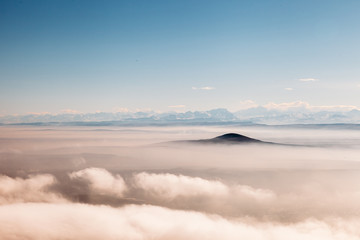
234 137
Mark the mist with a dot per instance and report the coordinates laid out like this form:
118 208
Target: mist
147 183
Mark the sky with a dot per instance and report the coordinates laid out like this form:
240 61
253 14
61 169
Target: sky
91 56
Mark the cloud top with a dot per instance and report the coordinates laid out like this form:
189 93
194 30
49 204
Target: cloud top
79 221
32 189
170 186
101 181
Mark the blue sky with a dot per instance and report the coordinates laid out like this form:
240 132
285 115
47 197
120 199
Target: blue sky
105 55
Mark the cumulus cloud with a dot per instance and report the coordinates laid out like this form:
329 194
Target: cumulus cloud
298 105
80 221
148 110
203 88
101 181
287 105
339 108
295 106
171 186
32 189
308 79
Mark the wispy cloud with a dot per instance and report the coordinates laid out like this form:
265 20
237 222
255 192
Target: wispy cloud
289 89
305 105
203 88
308 79
176 106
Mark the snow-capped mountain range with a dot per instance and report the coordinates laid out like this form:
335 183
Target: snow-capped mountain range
256 115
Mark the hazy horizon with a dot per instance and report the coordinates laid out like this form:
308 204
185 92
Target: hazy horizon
111 112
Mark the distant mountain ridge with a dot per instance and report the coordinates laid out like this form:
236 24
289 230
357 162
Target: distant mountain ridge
215 115
255 115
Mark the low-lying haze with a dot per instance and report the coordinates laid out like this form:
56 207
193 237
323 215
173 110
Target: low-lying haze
140 183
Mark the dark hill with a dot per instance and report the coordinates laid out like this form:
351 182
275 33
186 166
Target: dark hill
229 138
234 137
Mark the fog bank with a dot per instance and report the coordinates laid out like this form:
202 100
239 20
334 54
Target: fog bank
136 183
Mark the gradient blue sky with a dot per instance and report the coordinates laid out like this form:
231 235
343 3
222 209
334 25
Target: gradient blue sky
103 55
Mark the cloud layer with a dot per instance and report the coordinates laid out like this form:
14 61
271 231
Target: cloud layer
89 184
101 181
32 189
98 186
79 221
31 209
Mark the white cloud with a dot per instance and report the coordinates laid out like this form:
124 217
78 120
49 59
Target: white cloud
299 112
81 221
287 105
289 89
308 79
300 105
178 185
339 108
202 88
33 189
144 110
101 181
185 186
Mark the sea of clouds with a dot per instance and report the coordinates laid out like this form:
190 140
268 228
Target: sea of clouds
91 183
